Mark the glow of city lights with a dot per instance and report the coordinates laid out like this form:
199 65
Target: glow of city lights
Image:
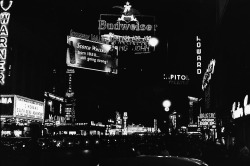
153 41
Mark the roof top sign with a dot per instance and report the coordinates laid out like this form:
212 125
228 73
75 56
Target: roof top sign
127 15
130 29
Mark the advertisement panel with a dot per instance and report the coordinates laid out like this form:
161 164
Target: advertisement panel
207 119
28 108
54 109
86 54
6 105
128 32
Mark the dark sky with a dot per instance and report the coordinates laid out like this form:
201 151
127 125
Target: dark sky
38 36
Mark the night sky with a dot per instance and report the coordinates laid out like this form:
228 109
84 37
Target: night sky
38 35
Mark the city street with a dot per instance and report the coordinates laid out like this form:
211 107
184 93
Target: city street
115 83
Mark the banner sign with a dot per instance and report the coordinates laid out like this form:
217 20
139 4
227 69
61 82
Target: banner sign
91 55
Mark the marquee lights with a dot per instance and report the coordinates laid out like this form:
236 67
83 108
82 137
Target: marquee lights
4 20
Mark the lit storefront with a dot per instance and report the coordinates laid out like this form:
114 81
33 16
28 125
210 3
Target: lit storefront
240 122
17 113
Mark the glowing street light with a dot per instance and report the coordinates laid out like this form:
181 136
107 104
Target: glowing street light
166 104
153 41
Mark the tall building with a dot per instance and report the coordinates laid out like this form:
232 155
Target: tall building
193 109
70 99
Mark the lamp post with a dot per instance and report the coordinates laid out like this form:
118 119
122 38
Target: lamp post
166 104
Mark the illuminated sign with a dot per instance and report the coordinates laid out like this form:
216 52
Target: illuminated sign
207 115
177 79
91 37
4 20
247 109
91 55
28 108
6 100
69 93
126 32
127 17
207 119
237 112
208 74
53 96
246 106
6 105
198 54
206 122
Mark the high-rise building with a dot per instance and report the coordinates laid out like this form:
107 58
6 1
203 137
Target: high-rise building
193 109
70 99
125 117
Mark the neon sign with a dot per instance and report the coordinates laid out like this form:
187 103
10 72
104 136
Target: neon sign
126 17
198 57
208 74
125 30
4 20
237 112
176 79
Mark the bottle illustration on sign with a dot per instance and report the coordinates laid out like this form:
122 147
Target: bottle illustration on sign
72 57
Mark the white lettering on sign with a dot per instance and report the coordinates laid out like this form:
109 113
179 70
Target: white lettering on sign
207 115
28 108
207 121
103 25
4 20
198 55
6 100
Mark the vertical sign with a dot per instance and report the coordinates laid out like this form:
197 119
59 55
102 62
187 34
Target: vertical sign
4 21
198 54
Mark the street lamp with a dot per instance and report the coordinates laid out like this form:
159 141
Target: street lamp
153 41
166 104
